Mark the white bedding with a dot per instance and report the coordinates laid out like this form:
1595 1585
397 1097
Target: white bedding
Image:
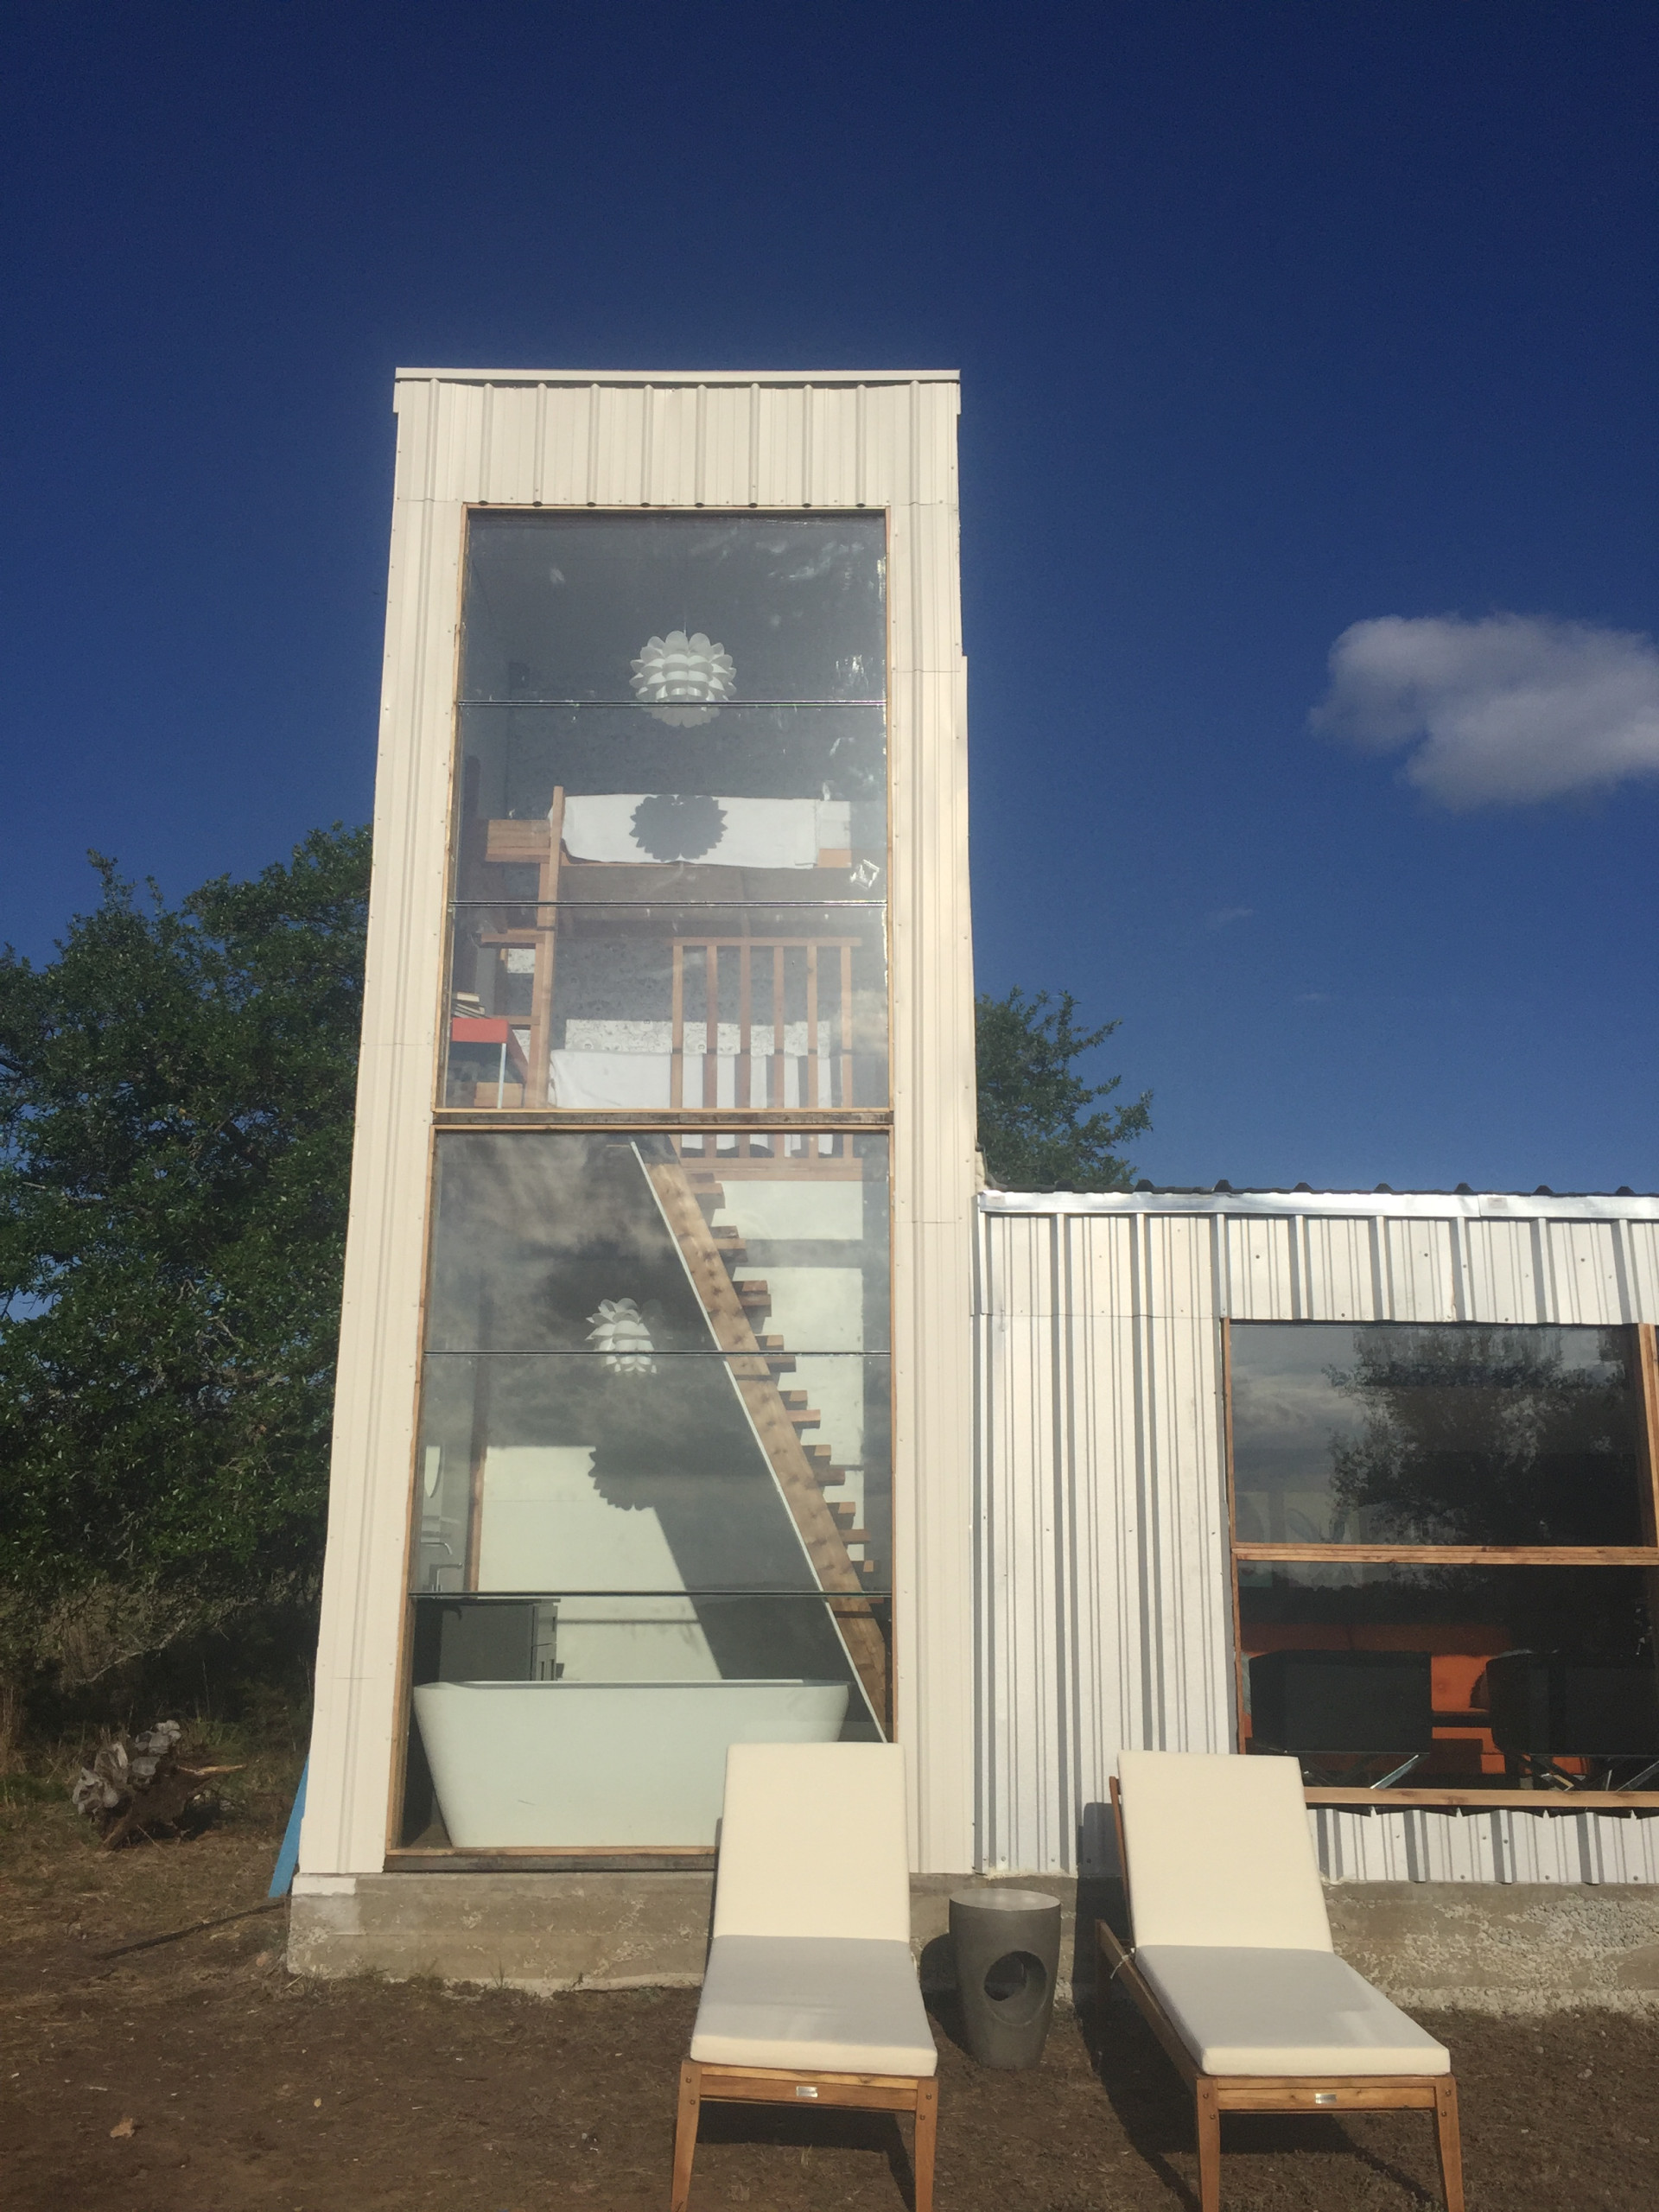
596 1080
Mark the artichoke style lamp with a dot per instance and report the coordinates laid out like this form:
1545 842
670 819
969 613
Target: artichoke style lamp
678 668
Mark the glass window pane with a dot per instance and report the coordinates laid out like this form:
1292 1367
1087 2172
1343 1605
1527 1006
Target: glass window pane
675 609
643 1469
648 1006
763 802
1452 1433
1501 1677
567 1721
725 1242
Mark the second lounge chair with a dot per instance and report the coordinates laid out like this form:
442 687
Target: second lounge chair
1232 1962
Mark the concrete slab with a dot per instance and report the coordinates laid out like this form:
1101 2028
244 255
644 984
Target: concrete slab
1505 1948
539 1932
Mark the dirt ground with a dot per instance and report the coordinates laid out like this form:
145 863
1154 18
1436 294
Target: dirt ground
200 2073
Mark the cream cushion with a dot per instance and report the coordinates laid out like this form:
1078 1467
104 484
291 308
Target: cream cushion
1241 2009
812 2004
812 1843
1219 1852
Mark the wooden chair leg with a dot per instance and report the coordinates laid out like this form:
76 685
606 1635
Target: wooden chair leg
1209 2119
685 2133
927 2135
1449 2141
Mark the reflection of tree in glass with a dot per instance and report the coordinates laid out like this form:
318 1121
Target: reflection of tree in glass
1488 1436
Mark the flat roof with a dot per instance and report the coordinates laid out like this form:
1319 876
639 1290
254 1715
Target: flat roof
679 376
1438 1206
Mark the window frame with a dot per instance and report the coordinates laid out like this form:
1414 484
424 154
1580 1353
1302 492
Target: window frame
443 1119
1643 1555
669 1117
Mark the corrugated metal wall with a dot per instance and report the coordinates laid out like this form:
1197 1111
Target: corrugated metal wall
1101 1613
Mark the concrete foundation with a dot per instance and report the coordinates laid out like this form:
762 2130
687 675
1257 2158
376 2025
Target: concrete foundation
1507 1948
1510 1947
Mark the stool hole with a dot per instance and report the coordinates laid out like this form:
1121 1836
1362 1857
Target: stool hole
1017 1979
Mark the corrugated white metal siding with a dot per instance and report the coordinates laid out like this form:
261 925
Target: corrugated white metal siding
623 440
1102 1615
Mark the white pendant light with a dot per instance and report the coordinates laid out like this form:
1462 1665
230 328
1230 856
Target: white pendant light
680 668
620 1333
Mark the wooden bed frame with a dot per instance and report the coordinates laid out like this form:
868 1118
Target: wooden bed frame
917 2094
1215 2093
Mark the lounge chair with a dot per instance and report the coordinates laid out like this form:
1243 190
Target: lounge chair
1232 1962
811 1994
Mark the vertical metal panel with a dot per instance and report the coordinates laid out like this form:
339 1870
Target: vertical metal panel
1340 1269
1641 1243
1263 1277
1420 1271
1584 1275
1102 1611
1503 1284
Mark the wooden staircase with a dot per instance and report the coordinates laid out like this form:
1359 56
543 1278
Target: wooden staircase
688 1195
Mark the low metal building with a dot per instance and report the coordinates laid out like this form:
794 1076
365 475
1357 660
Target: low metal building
1104 1612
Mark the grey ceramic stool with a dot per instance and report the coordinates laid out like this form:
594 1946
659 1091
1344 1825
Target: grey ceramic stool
1008 1947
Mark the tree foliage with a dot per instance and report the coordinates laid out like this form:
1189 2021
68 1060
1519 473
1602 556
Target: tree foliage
175 1119
1034 1131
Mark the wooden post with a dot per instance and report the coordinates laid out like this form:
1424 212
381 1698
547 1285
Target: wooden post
711 1023
541 1002
685 2133
1208 2119
927 2136
1448 2142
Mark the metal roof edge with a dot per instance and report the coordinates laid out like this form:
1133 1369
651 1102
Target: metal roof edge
690 377
1419 1206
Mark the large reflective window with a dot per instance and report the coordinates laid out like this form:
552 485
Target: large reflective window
645 1006
565 607
1442 1434
1494 1677
655 1454
766 802
657 714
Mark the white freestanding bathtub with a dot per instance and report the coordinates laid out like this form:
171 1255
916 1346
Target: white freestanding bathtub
569 1765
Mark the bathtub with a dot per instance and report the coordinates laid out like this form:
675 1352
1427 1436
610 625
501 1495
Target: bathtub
572 1765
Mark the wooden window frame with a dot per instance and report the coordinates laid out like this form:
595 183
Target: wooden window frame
1645 1555
743 1121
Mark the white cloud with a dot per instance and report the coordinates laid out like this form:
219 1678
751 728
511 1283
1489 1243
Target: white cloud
1501 712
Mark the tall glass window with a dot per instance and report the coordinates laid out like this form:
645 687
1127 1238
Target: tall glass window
1443 1542
671 866
653 1511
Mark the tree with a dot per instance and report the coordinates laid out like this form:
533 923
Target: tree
1030 1099
175 1124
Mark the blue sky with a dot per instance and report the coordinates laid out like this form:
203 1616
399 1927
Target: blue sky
1272 320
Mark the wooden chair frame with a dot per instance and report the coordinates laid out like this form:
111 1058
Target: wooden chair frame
1215 2093
916 2094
